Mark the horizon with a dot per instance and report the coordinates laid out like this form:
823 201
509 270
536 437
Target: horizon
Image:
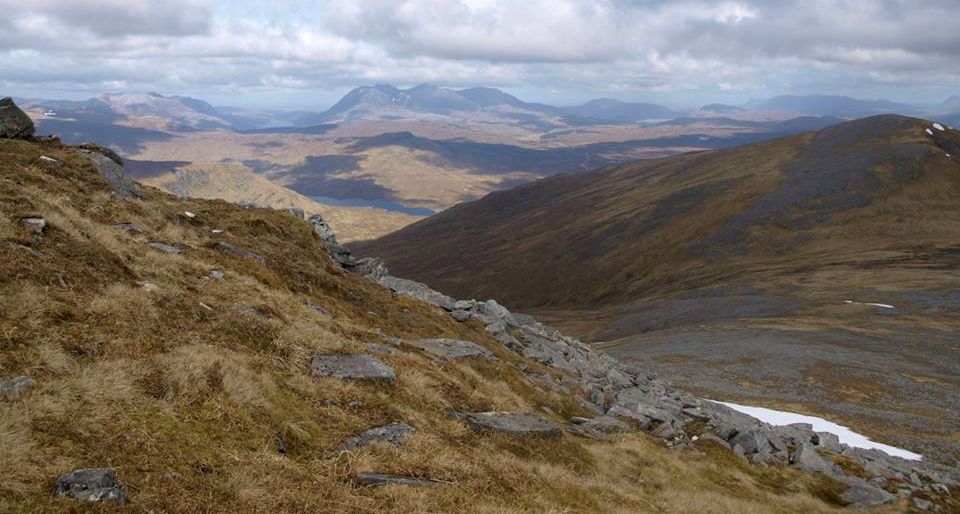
295 54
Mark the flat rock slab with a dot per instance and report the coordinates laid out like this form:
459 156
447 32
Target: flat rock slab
380 479
394 433
512 423
453 348
352 367
861 493
16 388
419 291
91 485
164 247
235 251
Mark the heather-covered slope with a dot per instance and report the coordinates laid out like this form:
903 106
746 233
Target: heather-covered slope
171 341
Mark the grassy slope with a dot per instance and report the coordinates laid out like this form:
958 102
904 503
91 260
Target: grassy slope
147 366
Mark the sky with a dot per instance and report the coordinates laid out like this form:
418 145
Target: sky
306 54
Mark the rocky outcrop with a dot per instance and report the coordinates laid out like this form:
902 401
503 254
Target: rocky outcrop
453 348
110 166
328 238
165 247
352 367
14 123
619 391
91 485
235 251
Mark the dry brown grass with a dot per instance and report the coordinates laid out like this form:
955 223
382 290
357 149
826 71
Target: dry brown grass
187 402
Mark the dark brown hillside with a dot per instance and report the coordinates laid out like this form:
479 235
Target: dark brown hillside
816 272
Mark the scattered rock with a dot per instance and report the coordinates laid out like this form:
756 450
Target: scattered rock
14 123
110 167
217 275
374 479
713 438
828 441
394 433
130 227
229 249
512 423
418 291
17 388
328 238
353 367
293 211
319 309
861 493
807 459
34 225
91 485
253 311
453 348
50 161
372 268
165 247
923 504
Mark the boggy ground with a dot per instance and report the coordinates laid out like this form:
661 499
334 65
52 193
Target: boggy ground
188 386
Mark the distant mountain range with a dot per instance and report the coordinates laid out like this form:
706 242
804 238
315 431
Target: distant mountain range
386 102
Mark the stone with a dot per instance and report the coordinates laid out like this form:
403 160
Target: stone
808 460
461 316
828 441
923 504
352 367
861 493
598 427
394 433
130 227
493 310
295 212
165 247
417 291
17 388
453 348
91 485
110 166
34 225
328 238
375 479
512 423
713 438
319 309
372 268
235 251
322 229
217 275
14 123
752 441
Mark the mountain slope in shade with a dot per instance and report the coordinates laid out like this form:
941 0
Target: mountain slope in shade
812 270
616 111
831 105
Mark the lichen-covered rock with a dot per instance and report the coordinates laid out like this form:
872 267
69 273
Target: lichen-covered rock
165 247
235 251
394 433
372 268
419 291
453 348
14 123
374 479
512 423
352 367
861 493
110 166
17 387
91 485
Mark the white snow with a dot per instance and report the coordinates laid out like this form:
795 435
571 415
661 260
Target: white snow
847 436
881 305
938 127
217 231
189 214
930 132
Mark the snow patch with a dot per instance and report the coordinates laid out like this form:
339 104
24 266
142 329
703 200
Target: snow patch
881 305
847 436
938 127
928 131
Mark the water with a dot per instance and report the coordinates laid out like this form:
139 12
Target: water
388 205
847 436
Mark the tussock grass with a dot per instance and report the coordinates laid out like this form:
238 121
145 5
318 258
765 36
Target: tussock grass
189 403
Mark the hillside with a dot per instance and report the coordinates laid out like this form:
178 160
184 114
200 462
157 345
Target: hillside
184 355
762 273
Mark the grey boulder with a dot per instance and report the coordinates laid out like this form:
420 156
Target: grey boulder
17 387
165 247
453 348
235 251
91 485
394 433
374 479
861 493
352 367
14 123
110 166
512 423
418 291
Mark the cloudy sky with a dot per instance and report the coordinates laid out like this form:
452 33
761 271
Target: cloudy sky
299 53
